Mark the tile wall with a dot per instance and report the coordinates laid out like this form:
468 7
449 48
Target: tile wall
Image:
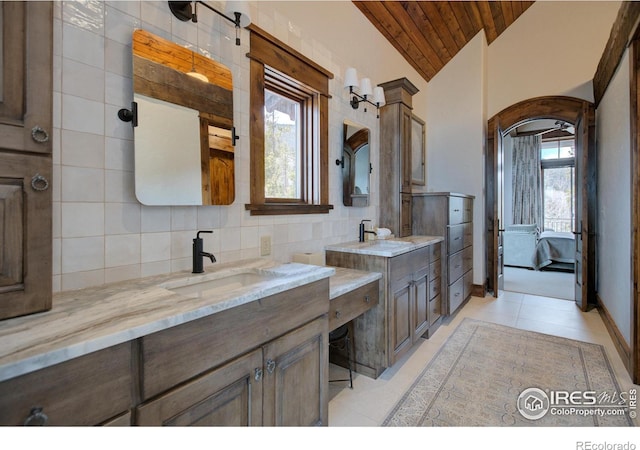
101 233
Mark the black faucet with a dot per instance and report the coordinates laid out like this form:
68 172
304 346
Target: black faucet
363 231
198 254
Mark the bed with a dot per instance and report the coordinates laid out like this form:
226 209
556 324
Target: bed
555 250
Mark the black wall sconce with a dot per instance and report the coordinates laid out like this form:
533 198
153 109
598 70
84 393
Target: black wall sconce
238 11
365 91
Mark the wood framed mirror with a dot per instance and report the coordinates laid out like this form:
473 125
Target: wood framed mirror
184 137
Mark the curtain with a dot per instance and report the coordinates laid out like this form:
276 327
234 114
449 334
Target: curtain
527 181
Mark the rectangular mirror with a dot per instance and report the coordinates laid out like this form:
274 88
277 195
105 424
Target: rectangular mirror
184 137
356 166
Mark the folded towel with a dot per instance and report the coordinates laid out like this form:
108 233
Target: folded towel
381 232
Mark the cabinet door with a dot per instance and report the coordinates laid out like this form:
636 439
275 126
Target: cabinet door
25 235
296 377
26 76
400 316
228 396
421 296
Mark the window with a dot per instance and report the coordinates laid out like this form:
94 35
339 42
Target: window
289 130
558 181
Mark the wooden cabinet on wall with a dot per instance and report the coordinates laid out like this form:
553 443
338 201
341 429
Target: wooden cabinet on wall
395 156
404 312
25 157
449 215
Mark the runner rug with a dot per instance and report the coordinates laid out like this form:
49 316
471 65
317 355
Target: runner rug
492 375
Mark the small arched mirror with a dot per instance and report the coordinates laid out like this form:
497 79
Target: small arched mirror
356 165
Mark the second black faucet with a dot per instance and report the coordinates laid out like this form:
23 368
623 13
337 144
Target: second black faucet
198 253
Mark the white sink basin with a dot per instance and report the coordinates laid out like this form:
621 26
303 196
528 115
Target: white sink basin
217 286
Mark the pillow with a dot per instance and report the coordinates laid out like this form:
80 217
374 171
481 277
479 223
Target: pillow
523 228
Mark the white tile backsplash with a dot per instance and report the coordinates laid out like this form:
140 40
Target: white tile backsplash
81 114
155 218
122 250
82 184
82 80
82 45
122 218
82 254
155 247
82 219
82 149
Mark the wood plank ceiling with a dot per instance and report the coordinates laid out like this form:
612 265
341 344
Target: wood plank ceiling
429 33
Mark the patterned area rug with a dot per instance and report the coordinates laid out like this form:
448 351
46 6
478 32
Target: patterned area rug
478 376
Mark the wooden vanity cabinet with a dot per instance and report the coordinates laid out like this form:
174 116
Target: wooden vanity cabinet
262 363
404 310
89 390
409 300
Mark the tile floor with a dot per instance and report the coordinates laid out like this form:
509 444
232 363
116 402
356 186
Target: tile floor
369 402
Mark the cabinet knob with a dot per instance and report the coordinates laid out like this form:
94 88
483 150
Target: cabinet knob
367 299
258 374
39 134
271 365
338 314
37 418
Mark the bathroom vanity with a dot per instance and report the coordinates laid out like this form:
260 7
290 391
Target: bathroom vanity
243 344
409 296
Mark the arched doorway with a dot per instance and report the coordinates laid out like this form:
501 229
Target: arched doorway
581 113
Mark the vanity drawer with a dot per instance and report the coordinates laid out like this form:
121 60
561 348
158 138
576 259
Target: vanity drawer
435 309
455 267
348 306
467 210
87 390
435 269
467 238
456 295
434 287
174 355
467 259
455 210
456 238
435 251
406 264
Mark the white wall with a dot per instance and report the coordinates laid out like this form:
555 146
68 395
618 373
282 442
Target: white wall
552 49
614 199
101 232
456 126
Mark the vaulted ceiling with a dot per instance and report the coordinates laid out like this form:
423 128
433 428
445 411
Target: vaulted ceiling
429 33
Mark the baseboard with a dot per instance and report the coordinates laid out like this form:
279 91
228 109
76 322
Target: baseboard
479 290
618 340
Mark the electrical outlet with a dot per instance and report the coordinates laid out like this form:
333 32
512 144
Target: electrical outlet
265 245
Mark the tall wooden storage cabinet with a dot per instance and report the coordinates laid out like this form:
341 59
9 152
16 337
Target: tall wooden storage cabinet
395 156
25 157
451 216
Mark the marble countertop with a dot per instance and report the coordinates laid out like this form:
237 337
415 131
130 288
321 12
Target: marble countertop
347 280
87 320
385 247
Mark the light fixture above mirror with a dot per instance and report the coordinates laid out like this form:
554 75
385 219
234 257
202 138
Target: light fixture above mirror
364 92
236 12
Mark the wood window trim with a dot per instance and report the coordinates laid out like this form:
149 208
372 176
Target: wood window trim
267 50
